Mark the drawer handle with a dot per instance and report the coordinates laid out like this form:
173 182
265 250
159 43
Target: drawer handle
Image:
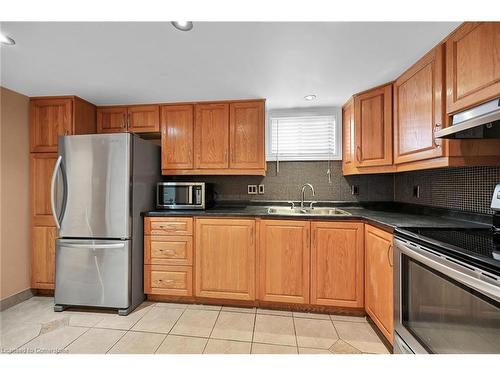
168 251
166 281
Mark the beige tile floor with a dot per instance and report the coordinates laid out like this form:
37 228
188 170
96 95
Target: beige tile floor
168 328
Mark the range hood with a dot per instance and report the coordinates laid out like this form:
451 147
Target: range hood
482 121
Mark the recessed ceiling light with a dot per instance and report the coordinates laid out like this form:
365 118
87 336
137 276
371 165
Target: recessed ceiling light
6 41
310 97
183 25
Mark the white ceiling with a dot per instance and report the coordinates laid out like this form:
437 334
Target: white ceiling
137 62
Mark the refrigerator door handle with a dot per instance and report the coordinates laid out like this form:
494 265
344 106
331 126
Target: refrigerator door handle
87 246
53 190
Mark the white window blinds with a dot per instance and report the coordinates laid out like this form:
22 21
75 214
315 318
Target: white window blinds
303 137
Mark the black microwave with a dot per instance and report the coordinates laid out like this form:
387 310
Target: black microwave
184 195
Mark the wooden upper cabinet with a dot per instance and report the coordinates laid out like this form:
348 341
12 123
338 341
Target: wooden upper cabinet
472 65
348 141
373 127
111 119
42 167
284 259
246 135
378 279
225 258
177 137
211 136
337 264
143 118
419 109
49 118
43 257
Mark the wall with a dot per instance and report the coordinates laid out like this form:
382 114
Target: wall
467 189
286 184
15 250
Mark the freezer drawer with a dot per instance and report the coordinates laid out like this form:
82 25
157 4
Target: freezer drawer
93 273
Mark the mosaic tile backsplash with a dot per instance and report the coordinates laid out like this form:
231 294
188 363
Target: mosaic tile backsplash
466 189
286 184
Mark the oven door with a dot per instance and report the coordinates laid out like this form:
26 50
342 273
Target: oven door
442 306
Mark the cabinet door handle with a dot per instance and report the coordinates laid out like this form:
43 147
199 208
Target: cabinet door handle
389 255
358 154
128 120
436 128
124 121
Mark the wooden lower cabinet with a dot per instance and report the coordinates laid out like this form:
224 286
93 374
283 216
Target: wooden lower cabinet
43 257
379 279
168 280
337 261
284 258
225 258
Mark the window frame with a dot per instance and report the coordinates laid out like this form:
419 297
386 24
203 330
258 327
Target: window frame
305 112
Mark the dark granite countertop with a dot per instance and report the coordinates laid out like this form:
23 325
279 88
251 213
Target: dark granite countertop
388 216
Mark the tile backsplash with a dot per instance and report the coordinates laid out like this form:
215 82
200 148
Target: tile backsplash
466 189
286 184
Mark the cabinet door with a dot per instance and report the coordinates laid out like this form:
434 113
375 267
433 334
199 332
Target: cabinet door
111 119
418 109
378 279
337 264
373 127
143 118
246 131
43 257
472 65
42 167
225 258
211 136
177 137
348 141
49 119
284 257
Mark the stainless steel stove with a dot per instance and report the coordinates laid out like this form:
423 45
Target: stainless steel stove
447 288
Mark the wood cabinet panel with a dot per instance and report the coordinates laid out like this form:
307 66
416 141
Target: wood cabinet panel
41 169
379 279
419 109
337 264
49 119
168 280
168 250
168 225
348 140
112 119
473 65
284 259
211 136
143 118
225 258
373 127
246 135
43 257
177 137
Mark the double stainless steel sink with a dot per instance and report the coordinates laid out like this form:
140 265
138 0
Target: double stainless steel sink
306 211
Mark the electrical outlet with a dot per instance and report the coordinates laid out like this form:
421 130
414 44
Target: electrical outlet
416 191
354 189
261 189
252 189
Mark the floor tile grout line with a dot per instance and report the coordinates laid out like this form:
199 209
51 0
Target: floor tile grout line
208 338
170 330
253 331
116 342
84 332
295 334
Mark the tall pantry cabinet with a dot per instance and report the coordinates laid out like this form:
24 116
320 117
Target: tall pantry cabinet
50 117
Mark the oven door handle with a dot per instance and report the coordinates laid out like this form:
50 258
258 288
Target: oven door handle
451 270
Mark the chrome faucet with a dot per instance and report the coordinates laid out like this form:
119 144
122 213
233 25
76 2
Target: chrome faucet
304 194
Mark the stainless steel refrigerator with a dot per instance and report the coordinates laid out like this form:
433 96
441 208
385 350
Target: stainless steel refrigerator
100 185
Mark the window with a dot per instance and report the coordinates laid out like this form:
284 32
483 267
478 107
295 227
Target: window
303 135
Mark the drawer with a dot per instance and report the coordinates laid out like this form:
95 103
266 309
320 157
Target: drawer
168 250
168 225
168 280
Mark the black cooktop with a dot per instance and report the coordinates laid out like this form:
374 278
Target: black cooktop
480 247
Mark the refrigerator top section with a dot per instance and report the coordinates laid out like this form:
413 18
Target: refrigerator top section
96 188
